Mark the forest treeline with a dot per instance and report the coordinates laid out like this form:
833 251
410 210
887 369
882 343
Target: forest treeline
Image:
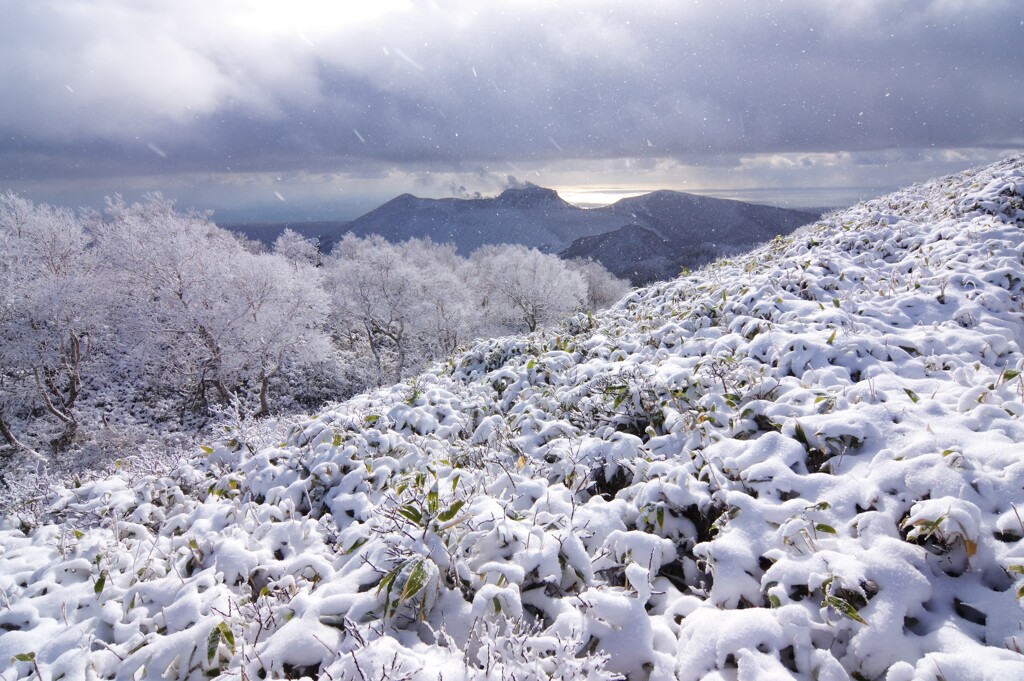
142 318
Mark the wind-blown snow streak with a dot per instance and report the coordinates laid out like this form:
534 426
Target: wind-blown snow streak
807 462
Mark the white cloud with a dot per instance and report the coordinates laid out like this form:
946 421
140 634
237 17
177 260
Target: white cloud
795 161
91 87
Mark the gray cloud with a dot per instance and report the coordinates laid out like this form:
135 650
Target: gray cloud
122 88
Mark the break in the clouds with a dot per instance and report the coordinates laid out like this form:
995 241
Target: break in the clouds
319 99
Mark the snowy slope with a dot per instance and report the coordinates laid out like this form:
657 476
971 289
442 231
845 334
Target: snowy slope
804 463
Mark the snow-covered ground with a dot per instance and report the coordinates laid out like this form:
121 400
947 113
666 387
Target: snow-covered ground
807 462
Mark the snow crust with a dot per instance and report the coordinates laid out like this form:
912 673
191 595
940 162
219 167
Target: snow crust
807 463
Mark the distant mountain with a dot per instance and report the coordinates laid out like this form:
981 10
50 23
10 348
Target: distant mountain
630 252
528 215
642 238
690 231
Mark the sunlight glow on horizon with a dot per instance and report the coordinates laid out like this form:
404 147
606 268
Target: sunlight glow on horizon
582 197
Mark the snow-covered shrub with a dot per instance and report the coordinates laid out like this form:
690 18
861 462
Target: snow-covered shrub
946 525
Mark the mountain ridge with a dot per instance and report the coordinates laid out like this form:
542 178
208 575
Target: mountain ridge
534 216
695 230
698 228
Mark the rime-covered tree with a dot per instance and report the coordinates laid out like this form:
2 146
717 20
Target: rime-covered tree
375 288
48 316
196 310
451 316
522 286
411 302
282 322
603 287
169 275
296 248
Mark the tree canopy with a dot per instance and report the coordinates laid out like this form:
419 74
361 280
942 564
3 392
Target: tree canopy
144 312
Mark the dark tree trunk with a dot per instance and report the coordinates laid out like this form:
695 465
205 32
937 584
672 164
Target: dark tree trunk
12 441
264 392
375 349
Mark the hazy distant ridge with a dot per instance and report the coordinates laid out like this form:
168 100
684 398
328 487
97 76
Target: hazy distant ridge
670 229
687 230
533 216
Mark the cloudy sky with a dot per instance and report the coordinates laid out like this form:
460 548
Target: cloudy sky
323 108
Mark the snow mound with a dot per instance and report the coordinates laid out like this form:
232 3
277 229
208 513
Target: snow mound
807 463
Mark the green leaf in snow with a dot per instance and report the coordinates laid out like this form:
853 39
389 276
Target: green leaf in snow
844 608
412 513
450 512
228 635
212 643
799 434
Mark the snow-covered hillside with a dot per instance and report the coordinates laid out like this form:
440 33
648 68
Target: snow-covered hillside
807 462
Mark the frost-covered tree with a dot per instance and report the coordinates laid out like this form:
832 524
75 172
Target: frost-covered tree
521 286
375 288
196 311
47 317
452 315
169 276
410 302
603 287
282 320
296 248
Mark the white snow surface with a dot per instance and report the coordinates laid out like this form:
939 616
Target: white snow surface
804 463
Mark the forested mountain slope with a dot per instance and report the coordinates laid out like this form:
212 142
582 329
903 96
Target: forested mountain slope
807 462
690 231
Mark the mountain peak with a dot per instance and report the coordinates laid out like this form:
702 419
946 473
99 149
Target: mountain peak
530 196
